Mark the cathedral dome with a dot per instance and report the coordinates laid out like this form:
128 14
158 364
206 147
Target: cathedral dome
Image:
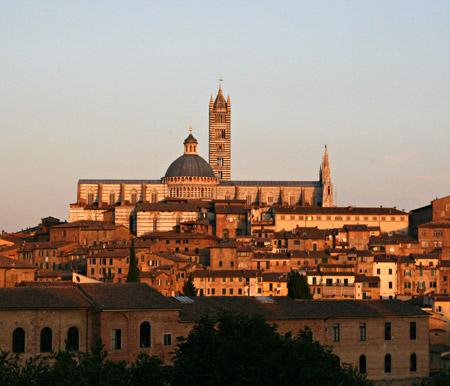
190 165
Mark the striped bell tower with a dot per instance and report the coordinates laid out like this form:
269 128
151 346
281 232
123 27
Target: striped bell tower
220 136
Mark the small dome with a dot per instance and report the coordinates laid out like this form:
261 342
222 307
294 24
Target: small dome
190 165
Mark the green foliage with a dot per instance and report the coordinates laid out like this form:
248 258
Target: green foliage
241 350
133 270
236 350
149 370
189 287
441 378
298 287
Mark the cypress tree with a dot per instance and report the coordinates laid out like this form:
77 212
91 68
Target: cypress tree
189 287
133 270
298 287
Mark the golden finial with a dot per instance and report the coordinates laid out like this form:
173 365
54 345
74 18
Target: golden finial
190 129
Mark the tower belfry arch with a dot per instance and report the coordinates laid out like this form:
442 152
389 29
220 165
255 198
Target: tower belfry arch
220 135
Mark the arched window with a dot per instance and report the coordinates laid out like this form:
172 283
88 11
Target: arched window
413 362
73 339
270 199
362 364
112 197
387 363
18 340
249 199
227 196
133 197
145 335
155 224
46 340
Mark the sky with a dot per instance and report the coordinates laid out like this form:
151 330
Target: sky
108 89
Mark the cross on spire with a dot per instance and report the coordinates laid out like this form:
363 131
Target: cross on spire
220 82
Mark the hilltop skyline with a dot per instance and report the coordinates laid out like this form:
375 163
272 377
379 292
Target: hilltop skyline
109 91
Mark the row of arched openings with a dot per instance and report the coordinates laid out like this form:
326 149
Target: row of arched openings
387 363
46 340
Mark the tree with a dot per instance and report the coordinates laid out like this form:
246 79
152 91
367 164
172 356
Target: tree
240 350
189 287
298 287
133 270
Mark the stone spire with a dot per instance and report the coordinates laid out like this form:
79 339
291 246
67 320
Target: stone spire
325 179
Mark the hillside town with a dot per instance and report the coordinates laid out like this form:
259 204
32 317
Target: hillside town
379 276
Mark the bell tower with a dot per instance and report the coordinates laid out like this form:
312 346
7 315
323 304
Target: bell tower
220 136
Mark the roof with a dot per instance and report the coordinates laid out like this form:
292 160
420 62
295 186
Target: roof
126 296
47 245
7 262
385 259
226 273
189 165
364 278
220 103
172 256
315 184
108 253
274 276
286 308
425 256
176 235
48 284
90 224
440 223
100 181
386 239
42 297
439 348
339 210
355 228
303 233
231 209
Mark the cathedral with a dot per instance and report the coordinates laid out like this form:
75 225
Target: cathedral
190 183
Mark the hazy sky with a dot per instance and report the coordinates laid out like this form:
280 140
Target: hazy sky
108 89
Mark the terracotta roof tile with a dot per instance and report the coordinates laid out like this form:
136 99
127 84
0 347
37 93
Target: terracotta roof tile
7 262
41 297
126 296
286 308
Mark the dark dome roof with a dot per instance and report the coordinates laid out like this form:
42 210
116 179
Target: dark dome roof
190 165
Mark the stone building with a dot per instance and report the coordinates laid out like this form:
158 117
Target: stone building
129 202
387 340
438 209
13 272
